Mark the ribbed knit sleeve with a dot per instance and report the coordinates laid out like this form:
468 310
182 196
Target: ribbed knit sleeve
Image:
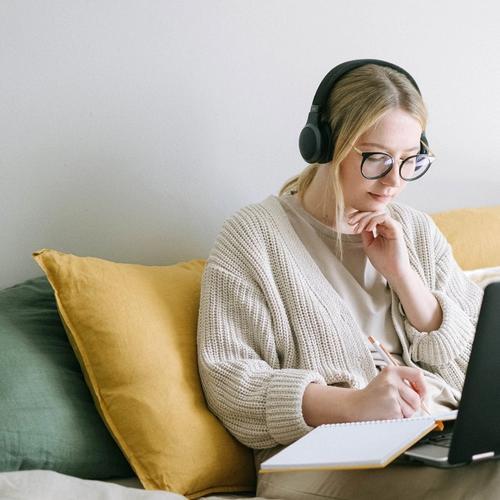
257 401
446 350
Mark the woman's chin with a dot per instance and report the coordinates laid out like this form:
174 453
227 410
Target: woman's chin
370 205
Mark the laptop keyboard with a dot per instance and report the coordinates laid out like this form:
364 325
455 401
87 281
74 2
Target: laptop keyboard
443 440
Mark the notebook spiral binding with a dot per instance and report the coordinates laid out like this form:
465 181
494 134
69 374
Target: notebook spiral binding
387 421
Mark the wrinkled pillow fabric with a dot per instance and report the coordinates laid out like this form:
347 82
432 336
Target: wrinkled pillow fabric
474 235
133 328
50 485
47 416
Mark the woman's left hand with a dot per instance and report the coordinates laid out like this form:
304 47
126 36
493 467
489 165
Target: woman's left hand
387 250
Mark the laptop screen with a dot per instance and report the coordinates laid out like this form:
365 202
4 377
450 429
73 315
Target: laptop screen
477 429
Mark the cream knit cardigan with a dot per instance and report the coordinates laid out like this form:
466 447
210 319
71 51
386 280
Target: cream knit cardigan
270 323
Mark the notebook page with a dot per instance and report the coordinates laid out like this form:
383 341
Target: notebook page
352 445
445 415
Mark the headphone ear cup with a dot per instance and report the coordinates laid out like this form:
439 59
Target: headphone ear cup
315 142
311 139
310 143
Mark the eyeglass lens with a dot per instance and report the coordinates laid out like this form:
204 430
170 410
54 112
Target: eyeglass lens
376 165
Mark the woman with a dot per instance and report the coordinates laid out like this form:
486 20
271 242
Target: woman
295 285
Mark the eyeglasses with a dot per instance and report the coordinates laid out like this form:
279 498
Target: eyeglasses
375 165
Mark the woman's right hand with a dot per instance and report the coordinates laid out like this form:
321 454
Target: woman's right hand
389 395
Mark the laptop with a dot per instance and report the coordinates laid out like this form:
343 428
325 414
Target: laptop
475 434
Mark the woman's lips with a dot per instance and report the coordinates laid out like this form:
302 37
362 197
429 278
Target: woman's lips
380 197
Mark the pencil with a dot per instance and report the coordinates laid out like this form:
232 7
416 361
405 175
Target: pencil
390 360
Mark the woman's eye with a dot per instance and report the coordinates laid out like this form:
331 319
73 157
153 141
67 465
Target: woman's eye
377 157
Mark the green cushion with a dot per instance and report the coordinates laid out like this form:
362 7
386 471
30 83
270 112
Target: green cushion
47 416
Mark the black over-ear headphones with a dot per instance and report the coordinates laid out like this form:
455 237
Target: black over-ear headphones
316 141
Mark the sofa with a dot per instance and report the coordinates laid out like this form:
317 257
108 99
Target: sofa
100 394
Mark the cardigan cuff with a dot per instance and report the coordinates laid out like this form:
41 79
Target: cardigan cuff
285 421
453 339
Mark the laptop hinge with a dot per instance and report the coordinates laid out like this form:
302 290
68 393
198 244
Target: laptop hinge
482 456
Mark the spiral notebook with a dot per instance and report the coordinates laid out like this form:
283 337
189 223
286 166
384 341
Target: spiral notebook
354 445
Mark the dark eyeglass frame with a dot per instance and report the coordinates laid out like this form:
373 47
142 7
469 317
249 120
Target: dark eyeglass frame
367 154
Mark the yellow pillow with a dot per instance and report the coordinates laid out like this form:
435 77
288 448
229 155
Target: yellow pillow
133 329
474 235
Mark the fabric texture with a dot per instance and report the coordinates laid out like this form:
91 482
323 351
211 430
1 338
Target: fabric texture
270 323
133 329
47 417
465 225
484 275
479 481
50 485
353 276
366 291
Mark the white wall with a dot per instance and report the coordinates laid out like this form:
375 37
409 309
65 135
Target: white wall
129 130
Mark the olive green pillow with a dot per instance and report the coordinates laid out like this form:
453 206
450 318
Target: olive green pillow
47 416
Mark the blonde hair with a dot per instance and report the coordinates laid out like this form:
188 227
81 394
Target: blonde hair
358 100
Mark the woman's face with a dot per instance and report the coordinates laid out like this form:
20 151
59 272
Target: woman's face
396 133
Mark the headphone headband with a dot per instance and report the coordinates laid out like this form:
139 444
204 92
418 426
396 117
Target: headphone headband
334 75
315 142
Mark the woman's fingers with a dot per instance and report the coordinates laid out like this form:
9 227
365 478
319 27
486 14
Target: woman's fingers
368 221
409 387
367 238
407 410
358 217
375 221
411 399
415 378
390 395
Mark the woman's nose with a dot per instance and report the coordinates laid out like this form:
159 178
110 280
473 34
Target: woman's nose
392 178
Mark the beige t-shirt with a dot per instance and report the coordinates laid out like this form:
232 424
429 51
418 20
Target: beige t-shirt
362 287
